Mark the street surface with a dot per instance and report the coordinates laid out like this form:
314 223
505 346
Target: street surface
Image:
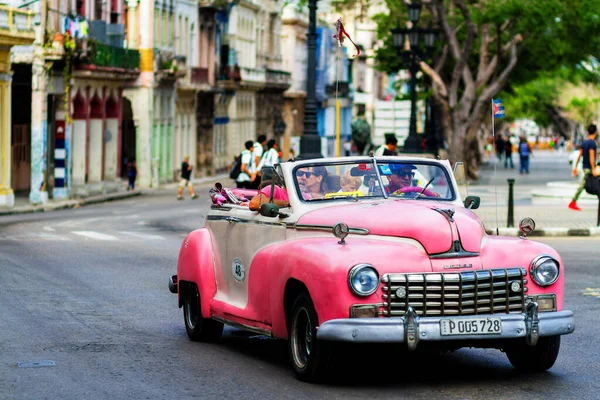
85 291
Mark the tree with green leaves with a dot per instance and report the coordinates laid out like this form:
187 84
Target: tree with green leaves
487 46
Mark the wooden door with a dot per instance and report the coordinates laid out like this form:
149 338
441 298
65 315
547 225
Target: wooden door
21 158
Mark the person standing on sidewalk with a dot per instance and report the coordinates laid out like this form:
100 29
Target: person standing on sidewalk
499 147
247 176
587 152
508 152
131 174
524 153
186 173
258 152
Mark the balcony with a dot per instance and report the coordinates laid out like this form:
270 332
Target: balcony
230 73
16 26
253 75
277 77
217 4
102 55
200 76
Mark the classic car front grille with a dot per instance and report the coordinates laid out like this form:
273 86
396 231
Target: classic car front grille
459 293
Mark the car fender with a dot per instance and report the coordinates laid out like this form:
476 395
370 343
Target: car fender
196 263
322 266
509 252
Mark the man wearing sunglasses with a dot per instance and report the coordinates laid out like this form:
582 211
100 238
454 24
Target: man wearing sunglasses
401 177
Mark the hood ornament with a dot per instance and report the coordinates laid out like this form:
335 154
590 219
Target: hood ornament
526 226
340 231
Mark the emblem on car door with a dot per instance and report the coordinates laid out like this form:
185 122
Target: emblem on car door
239 272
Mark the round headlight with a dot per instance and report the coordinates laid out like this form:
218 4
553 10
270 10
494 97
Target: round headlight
363 279
545 270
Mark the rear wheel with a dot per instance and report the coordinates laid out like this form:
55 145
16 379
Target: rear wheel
199 329
310 357
538 358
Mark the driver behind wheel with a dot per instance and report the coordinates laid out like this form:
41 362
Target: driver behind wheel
401 178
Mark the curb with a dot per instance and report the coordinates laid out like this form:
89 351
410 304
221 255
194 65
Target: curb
547 232
71 203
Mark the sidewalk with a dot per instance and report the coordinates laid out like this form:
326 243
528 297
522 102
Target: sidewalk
543 195
22 205
545 203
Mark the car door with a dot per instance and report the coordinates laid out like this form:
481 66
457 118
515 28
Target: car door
242 283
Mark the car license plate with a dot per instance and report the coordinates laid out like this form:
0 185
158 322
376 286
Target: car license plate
471 326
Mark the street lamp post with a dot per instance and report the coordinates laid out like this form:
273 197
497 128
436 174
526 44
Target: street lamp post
412 57
310 143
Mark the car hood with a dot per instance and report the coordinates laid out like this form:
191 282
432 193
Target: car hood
405 218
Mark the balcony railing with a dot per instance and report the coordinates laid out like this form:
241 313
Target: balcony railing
199 75
279 77
253 75
17 22
103 55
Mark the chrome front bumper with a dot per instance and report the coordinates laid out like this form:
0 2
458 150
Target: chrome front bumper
411 328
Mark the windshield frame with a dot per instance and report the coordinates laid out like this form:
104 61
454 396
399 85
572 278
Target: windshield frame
375 163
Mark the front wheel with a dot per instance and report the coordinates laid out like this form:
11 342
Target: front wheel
538 358
199 329
310 356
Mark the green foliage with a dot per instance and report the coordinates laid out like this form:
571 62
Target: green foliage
583 109
558 39
532 99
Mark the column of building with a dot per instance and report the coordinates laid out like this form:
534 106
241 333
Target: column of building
18 30
7 197
140 95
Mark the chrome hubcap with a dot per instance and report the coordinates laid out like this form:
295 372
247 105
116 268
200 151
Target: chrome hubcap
302 339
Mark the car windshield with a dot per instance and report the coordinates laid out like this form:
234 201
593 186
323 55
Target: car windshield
353 181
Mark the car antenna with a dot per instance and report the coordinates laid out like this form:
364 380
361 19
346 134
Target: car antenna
495 155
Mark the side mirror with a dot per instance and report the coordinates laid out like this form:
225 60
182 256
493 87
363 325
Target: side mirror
268 210
472 202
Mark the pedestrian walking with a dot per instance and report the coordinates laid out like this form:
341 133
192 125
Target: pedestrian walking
131 174
508 149
524 154
186 173
259 150
247 176
499 147
587 153
270 157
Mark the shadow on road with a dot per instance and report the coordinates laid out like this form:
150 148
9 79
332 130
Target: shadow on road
376 366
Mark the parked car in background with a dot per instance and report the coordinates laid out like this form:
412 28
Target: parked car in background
398 260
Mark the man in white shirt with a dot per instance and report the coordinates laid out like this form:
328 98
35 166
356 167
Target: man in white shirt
271 157
259 148
257 153
247 175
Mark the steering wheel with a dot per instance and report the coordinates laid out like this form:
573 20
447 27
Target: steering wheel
413 191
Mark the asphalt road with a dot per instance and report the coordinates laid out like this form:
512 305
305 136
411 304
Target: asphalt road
85 290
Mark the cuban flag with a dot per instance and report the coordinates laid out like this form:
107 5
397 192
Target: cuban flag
498 108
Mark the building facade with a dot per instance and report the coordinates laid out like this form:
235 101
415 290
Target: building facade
108 83
16 28
295 54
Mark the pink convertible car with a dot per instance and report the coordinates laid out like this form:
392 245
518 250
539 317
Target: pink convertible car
370 250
